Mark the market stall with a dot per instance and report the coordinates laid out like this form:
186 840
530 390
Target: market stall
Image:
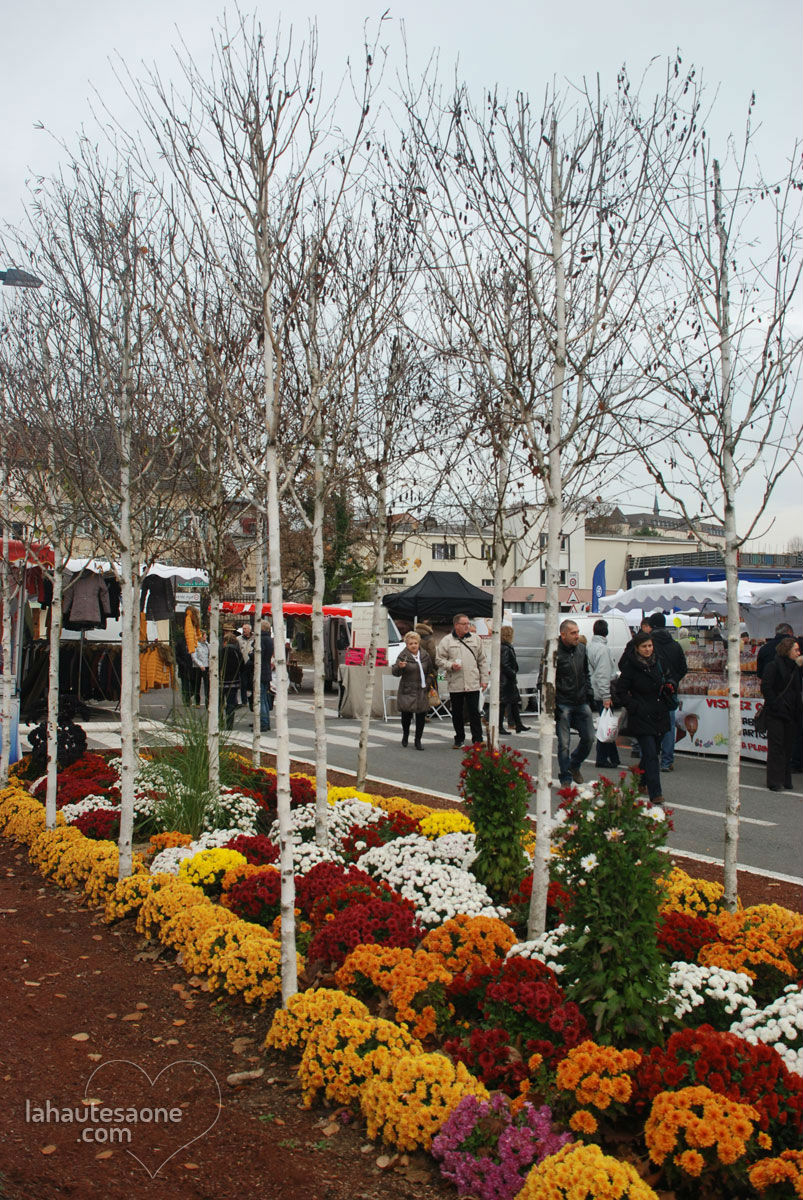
702 718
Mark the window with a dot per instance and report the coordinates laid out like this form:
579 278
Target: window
443 550
487 583
564 541
543 578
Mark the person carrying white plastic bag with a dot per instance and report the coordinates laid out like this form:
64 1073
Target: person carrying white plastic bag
602 667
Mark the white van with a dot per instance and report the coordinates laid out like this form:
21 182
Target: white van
528 635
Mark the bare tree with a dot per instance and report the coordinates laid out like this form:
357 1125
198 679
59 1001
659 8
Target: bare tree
724 356
243 147
564 200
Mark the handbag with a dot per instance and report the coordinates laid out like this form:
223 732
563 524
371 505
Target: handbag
760 721
434 697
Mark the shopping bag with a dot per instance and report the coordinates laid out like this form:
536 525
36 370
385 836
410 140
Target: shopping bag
609 723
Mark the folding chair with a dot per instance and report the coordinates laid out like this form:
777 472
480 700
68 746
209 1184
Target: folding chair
390 687
441 709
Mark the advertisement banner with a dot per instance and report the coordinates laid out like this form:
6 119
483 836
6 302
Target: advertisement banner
702 726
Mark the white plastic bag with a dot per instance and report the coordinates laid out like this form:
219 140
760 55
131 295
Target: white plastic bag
609 722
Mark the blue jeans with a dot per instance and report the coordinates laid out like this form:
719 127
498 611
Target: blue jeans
568 716
668 742
265 705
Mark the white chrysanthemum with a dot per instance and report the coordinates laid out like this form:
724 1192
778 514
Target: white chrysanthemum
341 817
780 1024
460 849
438 889
234 810
88 804
691 987
547 948
167 862
589 862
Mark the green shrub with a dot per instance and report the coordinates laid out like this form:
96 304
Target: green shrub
496 789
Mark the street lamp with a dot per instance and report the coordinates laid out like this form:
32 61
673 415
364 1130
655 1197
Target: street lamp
14 277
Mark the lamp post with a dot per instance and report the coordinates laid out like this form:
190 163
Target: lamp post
14 277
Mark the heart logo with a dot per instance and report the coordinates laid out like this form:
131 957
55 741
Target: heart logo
130 1116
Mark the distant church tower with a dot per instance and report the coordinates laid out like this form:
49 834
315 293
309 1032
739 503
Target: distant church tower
655 506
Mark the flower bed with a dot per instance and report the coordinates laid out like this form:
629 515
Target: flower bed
650 1041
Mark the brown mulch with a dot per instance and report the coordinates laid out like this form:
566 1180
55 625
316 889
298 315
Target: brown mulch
78 995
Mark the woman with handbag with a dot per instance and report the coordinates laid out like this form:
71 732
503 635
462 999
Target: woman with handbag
783 710
417 675
646 697
509 697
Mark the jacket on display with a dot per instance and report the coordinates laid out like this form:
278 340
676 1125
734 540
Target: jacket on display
157 597
86 602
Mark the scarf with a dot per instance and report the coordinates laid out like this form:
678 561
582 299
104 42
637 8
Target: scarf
417 658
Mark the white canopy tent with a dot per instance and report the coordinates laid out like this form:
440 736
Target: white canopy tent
762 605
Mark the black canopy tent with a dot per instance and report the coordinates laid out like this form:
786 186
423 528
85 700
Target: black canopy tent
438 596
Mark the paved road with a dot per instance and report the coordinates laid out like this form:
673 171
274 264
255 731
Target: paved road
771 837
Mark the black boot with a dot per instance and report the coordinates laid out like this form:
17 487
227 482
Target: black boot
418 745
506 732
405 738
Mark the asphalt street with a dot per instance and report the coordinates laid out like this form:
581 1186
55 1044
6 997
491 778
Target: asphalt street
771 829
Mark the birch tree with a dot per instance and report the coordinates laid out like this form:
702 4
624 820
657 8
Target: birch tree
564 198
724 356
99 244
242 145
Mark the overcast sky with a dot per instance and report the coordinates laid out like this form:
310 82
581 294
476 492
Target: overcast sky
55 54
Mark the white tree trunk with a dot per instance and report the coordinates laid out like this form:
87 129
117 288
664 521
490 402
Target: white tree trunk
537 917
732 792
129 688
8 678
259 597
213 715
319 707
53 682
376 624
494 714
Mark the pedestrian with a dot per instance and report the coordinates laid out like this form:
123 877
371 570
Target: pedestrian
200 669
416 672
509 697
265 695
645 690
573 696
461 655
427 636
602 668
673 664
245 642
780 687
230 666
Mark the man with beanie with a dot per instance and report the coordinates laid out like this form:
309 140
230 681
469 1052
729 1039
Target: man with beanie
673 664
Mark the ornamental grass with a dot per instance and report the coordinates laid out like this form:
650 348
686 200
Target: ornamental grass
409 1108
580 1172
698 1135
342 1055
308 1011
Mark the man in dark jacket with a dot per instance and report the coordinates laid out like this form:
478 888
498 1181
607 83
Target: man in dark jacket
766 653
673 664
265 698
573 697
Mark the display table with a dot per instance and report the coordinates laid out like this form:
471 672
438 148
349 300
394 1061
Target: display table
702 726
353 682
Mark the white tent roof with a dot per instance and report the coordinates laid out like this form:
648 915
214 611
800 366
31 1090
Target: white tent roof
762 604
103 567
